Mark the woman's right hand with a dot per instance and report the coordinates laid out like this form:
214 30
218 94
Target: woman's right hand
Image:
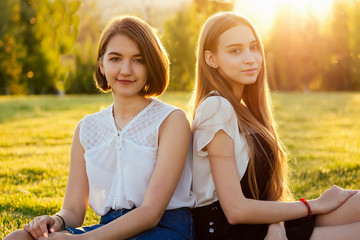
42 226
330 200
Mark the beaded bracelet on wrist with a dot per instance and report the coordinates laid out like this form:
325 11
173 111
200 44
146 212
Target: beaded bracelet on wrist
307 206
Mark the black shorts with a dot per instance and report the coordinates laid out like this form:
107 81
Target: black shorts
211 223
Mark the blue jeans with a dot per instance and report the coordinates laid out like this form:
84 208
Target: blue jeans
174 224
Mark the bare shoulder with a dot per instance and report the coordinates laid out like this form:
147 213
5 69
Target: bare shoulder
77 129
176 122
176 117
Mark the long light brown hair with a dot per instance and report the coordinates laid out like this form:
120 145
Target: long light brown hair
253 112
153 53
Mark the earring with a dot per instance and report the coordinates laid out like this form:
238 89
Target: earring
146 87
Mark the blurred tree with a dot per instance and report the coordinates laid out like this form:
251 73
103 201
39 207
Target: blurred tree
12 51
285 49
209 7
355 43
338 76
34 72
81 73
36 39
180 39
56 29
310 69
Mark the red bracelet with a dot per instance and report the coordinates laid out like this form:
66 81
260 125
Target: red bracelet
307 206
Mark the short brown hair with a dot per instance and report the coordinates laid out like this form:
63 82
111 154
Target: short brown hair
153 53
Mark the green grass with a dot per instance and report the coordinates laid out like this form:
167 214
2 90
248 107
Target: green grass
321 132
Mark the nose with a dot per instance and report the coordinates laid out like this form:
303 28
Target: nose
249 58
126 68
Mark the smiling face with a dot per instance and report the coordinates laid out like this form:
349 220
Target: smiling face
237 57
123 66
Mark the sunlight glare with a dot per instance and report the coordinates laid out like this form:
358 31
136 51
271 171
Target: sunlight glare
263 12
319 8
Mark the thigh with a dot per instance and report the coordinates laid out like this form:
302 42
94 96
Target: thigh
348 212
174 224
347 231
159 233
19 234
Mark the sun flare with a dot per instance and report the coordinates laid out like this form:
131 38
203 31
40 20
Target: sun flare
263 12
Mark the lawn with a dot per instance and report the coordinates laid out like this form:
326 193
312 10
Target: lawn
321 132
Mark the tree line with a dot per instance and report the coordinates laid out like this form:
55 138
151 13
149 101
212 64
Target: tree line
49 46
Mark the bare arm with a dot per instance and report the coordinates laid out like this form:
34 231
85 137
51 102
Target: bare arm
76 197
174 139
77 189
239 209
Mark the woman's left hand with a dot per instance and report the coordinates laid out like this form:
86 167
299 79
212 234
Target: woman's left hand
276 231
58 236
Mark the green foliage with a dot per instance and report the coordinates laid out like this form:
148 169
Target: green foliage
80 79
81 76
180 43
36 40
12 52
57 26
320 131
180 39
49 46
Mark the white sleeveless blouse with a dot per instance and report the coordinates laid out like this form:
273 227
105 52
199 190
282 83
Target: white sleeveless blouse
119 163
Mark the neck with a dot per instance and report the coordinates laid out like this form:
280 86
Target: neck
238 91
125 108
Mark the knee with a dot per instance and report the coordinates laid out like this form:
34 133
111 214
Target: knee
357 199
20 235
354 202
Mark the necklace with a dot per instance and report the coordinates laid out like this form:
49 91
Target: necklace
117 127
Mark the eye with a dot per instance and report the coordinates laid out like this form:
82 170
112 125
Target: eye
235 51
254 47
138 60
115 59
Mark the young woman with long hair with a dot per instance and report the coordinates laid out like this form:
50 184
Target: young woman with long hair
239 164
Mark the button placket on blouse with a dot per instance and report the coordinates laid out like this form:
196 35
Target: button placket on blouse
118 168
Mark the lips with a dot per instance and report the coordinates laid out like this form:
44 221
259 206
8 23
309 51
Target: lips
125 81
250 71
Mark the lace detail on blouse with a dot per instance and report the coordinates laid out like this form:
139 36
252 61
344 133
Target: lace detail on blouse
99 126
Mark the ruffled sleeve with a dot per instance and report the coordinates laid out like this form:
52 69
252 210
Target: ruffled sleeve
215 113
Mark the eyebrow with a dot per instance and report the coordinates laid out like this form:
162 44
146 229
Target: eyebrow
240 44
119 54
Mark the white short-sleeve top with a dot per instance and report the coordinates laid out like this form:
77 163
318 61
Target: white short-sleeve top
119 163
215 113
